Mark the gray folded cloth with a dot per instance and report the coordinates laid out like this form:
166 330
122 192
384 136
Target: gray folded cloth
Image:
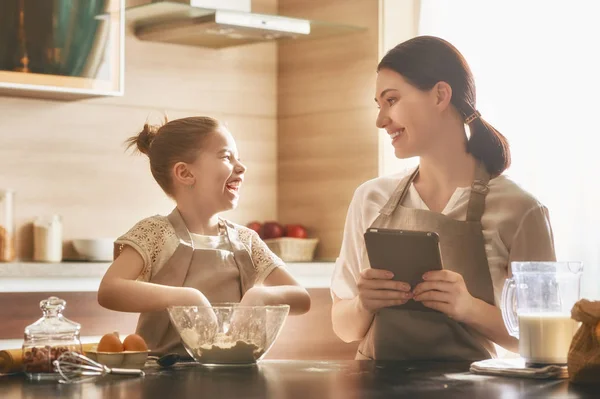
518 368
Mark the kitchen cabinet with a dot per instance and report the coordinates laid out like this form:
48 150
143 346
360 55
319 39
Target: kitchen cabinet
63 49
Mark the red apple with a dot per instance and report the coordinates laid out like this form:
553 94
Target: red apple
295 230
272 230
256 226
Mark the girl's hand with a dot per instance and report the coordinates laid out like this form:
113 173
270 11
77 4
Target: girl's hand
241 321
445 291
377 290
190 297
256 296
193 297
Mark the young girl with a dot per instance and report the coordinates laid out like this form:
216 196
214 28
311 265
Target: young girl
193 256
426 96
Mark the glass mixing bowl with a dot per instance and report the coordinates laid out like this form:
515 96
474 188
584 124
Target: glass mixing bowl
228 334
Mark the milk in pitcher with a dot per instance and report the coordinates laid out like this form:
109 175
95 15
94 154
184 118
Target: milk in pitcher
545 337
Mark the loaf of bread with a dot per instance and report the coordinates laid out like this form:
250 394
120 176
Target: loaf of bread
584 353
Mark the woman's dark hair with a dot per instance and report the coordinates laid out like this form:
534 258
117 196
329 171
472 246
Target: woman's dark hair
426 60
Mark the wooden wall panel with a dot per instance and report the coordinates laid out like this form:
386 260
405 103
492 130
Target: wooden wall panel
68 158
328 142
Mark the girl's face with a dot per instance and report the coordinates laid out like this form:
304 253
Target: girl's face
409 115
218 173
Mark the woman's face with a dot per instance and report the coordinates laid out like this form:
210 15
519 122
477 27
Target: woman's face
409 115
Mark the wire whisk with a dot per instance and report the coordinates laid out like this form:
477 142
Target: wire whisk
75 367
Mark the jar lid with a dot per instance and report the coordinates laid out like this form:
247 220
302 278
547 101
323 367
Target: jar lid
52 324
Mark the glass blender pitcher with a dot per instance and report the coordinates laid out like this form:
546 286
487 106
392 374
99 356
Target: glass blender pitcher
536 308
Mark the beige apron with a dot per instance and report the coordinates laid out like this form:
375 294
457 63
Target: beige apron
222 276
399 334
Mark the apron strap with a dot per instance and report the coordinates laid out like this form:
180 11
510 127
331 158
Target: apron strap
242 258
479 190
398 194
475 207
180 228
396 198
182 257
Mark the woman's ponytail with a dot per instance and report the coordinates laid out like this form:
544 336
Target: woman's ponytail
487 145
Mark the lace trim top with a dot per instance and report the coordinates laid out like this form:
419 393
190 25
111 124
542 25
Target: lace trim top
155 240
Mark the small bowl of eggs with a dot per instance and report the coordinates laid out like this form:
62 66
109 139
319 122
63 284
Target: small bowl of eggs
132 353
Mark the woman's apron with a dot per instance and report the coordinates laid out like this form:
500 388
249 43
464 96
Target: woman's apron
222 276
398 334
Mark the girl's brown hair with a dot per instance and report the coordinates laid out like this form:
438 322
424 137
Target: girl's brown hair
175 141
426 60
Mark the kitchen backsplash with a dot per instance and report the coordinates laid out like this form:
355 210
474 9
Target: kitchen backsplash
68 158
327 139
302 114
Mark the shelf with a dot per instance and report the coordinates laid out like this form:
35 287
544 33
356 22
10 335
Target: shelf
99 64
86 276
54 86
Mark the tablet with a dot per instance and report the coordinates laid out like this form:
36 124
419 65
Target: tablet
408 254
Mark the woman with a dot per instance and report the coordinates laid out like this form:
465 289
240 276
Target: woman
426 95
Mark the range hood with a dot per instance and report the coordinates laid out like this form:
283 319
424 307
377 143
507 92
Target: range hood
183 22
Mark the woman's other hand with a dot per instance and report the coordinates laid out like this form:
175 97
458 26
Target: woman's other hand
377 290
445 291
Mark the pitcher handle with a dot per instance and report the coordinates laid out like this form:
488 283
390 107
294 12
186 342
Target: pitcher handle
508 307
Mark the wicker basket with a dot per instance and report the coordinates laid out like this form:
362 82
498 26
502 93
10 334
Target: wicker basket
293 249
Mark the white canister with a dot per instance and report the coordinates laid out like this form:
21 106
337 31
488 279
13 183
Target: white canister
7 226
47 239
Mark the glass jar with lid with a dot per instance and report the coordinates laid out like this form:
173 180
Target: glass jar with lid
7 226
49 337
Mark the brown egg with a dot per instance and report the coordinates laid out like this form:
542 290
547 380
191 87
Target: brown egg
110 343
135 343
598 332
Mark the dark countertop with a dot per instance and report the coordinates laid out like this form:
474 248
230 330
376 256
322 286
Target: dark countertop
304 380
